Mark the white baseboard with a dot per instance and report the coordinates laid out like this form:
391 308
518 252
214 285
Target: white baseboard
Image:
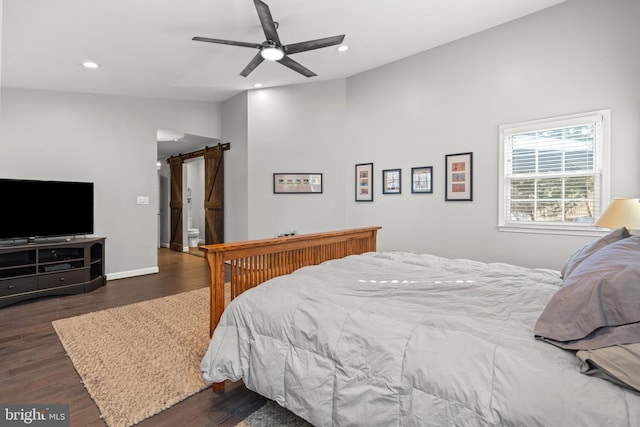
132 273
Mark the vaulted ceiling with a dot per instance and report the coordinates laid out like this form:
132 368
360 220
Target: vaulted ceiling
145 47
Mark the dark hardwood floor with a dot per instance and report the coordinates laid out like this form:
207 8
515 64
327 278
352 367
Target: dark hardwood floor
34 368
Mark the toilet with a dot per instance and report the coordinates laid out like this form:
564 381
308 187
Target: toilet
193 234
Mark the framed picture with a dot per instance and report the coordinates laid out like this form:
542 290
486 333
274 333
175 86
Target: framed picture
422 179
364 182
297 183
392 181
459 177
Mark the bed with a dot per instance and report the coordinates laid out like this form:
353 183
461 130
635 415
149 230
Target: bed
360 337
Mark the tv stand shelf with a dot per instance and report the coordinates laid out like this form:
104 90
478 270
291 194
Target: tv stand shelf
32 270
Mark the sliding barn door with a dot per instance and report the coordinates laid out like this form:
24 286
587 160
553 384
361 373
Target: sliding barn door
214 195
175 205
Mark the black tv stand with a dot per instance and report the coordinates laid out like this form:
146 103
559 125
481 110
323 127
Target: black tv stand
31 270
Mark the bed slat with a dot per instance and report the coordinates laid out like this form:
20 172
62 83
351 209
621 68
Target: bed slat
256 261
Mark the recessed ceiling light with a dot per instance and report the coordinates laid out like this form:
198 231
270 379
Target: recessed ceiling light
258 85
90 64
342 48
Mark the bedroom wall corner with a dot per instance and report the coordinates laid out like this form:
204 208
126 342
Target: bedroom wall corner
236 201
296 129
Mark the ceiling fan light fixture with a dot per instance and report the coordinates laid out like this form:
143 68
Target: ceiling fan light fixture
272 53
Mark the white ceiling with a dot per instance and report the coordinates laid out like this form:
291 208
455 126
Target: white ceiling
145 49
171 143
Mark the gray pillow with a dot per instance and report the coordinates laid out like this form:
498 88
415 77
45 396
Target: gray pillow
584 252
599 304
619 364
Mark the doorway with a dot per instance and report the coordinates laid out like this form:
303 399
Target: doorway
172 144
193 176
213 200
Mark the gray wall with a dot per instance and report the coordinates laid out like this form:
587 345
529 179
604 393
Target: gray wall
297 129
1 9
236 185
108 140
578 56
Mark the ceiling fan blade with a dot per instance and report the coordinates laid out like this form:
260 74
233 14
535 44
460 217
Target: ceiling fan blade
230 42
296 66
313 44
257 60
266 20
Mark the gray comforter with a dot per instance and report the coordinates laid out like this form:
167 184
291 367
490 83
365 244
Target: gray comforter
400 339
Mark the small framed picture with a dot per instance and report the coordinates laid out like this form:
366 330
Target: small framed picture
364 182
297 183
392 181
422 179
459 177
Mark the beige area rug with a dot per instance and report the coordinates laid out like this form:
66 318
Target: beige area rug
139 359
272 415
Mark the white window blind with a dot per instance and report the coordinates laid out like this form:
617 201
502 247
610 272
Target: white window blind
554 172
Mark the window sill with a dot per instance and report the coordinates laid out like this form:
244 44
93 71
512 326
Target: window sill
567 231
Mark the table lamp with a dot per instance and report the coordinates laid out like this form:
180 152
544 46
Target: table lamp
621 213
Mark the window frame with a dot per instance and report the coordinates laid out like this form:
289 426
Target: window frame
541 227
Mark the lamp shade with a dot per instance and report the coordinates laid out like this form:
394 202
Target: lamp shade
621 213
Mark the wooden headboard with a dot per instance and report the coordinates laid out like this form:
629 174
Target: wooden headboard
256 261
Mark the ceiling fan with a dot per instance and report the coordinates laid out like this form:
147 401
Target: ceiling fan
272 49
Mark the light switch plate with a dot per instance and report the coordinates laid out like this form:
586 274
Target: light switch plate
143 200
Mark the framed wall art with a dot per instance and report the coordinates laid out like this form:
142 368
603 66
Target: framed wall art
364 182
293 183
392 181
422 179
459 177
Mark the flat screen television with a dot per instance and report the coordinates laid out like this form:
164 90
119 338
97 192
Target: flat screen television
32 208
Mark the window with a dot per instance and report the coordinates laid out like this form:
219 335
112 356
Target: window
554 173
